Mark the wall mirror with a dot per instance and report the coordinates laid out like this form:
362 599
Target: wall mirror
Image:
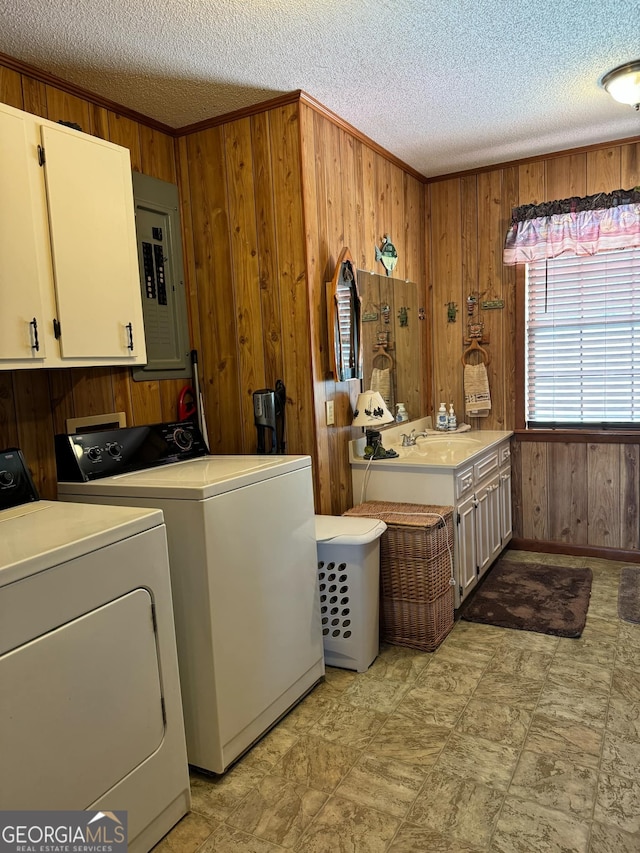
344 320
391 330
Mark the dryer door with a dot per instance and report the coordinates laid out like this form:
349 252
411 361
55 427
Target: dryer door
81 707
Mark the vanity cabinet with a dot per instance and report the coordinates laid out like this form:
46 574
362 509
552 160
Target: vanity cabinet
483 507
478 486
69 283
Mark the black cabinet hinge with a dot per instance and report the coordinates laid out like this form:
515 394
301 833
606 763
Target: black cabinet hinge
57 329
41 157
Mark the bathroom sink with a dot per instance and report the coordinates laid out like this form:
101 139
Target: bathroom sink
440 448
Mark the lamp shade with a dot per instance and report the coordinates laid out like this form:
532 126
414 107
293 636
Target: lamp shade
623 83
371 410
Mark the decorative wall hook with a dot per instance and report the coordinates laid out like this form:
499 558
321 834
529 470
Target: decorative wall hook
421 314
403 317
387 255
452 311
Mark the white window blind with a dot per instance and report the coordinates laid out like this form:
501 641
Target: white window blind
583 340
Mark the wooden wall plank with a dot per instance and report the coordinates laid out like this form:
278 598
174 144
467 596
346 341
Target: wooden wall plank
566 176
630 496
244 257
215 294
34 96
62 106
123 131
267 249
603 489
491 231
10 88
8 416
35 428
506 317
291 266
534 480
603 170
531 183
446 276
630 165
567 492
158 155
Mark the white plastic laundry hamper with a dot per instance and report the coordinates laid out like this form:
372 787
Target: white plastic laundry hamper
349 578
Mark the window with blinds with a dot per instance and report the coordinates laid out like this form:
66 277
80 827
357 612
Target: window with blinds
583 341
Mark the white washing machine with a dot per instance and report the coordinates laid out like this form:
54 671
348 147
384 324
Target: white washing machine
90 710
242 553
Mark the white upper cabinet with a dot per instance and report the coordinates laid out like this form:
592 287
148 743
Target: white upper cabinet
69 268
23 264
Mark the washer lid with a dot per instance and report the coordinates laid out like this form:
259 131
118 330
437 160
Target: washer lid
195 479
40 535
347 529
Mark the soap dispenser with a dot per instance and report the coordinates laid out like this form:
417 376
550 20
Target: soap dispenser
401 413
442 421
452 421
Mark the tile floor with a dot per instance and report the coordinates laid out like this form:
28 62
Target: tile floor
502 741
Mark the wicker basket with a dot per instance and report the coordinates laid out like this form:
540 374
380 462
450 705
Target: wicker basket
416 550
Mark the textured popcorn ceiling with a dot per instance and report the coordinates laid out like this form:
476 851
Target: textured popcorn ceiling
444 85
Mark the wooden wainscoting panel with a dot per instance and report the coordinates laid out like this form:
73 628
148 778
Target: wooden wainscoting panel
603 489
534 482
122 382
630 496
567 492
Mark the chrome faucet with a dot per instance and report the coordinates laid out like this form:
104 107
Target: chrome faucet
410 440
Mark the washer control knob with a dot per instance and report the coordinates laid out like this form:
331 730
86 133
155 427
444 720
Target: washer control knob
115 450
93 453
6 478
183 438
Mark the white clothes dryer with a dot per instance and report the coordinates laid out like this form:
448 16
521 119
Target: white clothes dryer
90 708
243 560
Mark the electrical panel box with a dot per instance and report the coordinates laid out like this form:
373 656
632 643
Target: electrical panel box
164 303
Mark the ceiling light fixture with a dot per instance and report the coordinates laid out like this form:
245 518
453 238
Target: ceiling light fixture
623 83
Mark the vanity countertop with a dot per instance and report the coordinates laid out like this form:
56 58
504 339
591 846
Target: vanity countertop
440 450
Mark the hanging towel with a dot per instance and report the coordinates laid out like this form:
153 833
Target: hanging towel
477 398
381 382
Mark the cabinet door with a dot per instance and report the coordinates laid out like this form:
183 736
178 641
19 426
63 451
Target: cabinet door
488 521
506 519
93 244
467 554
21 244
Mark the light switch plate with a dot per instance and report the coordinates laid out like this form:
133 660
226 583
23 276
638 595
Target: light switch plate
330 413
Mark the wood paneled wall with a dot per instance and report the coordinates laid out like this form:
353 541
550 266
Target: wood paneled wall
353 196
576 496
35 403
271 200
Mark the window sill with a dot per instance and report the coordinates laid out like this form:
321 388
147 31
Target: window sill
579 436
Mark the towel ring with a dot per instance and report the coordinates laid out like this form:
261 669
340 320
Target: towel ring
380 352
475 346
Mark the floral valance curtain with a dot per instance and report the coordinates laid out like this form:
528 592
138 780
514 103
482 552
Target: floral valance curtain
579 226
